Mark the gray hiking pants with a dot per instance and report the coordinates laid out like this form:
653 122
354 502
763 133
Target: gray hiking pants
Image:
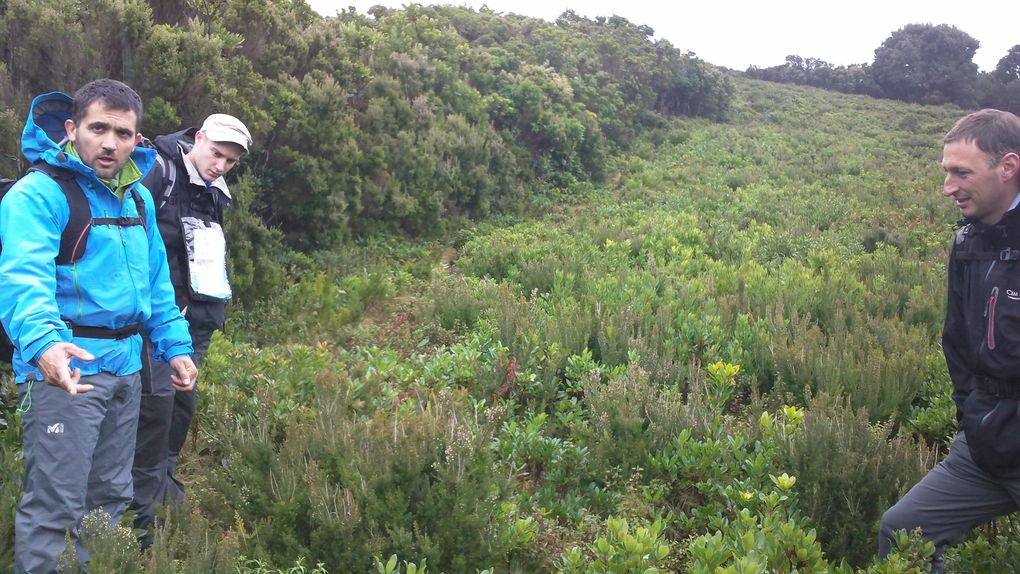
163 421
78 452
953 498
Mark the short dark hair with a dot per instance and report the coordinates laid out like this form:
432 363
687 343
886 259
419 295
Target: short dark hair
114 95
994 132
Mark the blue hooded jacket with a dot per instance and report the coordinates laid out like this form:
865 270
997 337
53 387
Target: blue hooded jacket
121 280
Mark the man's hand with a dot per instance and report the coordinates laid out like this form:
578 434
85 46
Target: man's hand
55 364
185 374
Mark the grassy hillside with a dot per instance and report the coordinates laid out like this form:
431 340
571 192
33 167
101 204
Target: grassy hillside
725 359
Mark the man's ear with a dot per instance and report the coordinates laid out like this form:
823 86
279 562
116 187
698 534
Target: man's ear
138 138
1010 165
70 129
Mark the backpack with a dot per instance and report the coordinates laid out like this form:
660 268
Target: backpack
169 171
74 237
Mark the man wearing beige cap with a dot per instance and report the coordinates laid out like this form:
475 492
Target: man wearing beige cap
190 194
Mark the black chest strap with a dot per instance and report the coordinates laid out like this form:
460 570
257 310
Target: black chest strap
1007 254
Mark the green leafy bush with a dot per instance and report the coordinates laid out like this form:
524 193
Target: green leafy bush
416 480
11 465
850 471
619 551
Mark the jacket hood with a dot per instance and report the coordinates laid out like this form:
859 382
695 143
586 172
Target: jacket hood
44 136
168 144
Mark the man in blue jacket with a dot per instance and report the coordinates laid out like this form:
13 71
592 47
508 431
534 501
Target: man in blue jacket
77 326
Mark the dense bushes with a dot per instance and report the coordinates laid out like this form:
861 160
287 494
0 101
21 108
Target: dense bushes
399 123
665 363
715 350
11 467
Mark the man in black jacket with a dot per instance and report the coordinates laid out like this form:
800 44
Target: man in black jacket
190 194
980 478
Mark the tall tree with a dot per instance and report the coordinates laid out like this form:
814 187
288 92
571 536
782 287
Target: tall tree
1008 68
928 64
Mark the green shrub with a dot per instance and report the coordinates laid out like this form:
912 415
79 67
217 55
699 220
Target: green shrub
393 567
243 386
11 465
619 551
110 547
184 541
752 545
554 474
416 480
934 417
994 547
630 418
255 566
457 302
850 471
911 554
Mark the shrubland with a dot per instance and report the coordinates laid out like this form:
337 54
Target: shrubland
702 343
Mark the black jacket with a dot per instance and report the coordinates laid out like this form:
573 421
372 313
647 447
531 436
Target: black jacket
981 340
186 199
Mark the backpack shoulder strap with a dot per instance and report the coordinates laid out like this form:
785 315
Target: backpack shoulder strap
965 250
139 205
169 170
75 233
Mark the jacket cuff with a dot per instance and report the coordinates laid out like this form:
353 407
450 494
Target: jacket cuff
35 350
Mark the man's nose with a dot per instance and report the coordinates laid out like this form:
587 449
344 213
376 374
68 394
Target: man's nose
109 142
949 187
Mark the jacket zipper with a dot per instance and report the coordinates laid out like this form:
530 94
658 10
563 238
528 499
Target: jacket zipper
990 312
77 290
125 248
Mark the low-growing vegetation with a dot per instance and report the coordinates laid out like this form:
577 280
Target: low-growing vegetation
725 360
638 327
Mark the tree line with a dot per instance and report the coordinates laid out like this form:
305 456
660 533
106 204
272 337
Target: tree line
919 63
397 121
405 121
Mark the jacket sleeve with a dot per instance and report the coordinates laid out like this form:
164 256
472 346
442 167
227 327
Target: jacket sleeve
166 327
32 215
954 336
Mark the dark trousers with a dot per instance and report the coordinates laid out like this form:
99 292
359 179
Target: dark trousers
949 501
77 459
163 421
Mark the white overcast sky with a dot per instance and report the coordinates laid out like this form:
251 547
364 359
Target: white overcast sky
740 33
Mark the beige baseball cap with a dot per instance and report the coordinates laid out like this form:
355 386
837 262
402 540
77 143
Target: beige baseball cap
226 128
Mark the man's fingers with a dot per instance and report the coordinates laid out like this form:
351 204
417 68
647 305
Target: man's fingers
70 382
79 353
182 383
184 388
